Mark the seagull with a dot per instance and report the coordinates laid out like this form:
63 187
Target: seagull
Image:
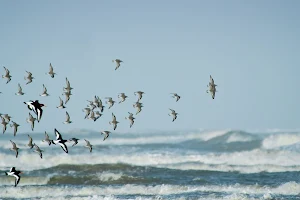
122 96
31 120
15 125
140 94
51 73
30 142
106 134
88 145
75 140
13 172
36 107
67 119
114 121
14 148
87 112
47 139
38 150
110 101
130 118
118 62
44 94
67 94
60 141
29 77
174 114
61 104
175 95
7 75
20 92
4 123
68 88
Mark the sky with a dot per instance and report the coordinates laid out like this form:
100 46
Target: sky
251 49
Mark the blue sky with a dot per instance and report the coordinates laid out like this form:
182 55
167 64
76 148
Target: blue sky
250 48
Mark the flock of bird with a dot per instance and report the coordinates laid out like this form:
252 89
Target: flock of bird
91 112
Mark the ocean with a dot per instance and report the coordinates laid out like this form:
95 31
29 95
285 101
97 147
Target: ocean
210 165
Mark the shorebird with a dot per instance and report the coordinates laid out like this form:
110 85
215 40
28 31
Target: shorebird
114 121
31 120
123 97
140 94
212 88
130 118
91 104
87 112
30 145
51 73
44 94
92 116
7 75
47 139
15 125
38 150
106 133
4 124
13 172
212 82
14 148
60 141
67 94
175 95
97 115
88 145
110 101
118 62
75 140
29 77
100 105
68 88
67 119
36 107
138 106
20 92
174 114
61 104
6 117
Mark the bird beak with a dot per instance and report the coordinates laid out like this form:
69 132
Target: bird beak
45 106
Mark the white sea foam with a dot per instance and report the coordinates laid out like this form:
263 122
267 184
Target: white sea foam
279 140
238 137
289 188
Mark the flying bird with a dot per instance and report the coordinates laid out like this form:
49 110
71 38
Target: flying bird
140 94
88 145
130 118
114 121
110 101
44 94
14 148
31 120
122 96
106 133
30 145
13 172
38 150
20 91
75 140
15 126
7 75
61 104
60 141
51 72
47 139
176 96
29 77
4 124
174 114
68 121
118 63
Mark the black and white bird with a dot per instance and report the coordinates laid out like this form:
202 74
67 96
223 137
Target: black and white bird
51 72
29 77
88 145
75 140
15 127
14 148
176 96
60 141
47 139
13 172
36 107
7 75
106 133
118 63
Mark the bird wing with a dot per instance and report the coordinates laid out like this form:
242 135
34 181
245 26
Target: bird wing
113 117
39 112
13 169
67 116
19 86
58 135
64 147
17 179
14 144
50 68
